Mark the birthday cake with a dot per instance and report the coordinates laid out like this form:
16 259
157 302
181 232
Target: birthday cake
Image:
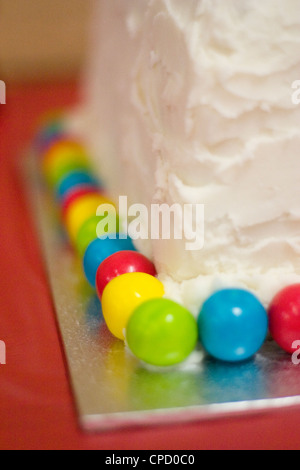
190 103
177 175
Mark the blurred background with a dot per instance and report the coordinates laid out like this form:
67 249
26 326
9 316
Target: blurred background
43 39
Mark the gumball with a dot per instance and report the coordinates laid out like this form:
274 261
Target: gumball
122 263
63 155
284 317
53 136
73 180
233 325
81 210
65 167
161 332
64 148
89 231
99 250
75 194
49 118
52 131
123 295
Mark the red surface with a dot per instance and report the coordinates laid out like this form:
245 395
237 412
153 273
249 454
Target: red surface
36 406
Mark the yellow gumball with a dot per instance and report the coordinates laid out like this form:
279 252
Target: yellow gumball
63 155
81 210
123 295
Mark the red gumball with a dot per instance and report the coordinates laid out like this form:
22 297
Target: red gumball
75 194
284 317
120 263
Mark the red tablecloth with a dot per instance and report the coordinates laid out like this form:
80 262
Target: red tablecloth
36 406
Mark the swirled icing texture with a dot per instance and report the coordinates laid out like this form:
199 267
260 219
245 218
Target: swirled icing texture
190 102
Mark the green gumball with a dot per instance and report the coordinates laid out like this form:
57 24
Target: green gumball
162 333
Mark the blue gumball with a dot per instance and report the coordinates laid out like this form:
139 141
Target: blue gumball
74 179
233 325
100 249
50 133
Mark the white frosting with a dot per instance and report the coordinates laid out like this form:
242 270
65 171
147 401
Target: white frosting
190 102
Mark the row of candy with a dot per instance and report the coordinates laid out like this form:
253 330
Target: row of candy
232 324
125 280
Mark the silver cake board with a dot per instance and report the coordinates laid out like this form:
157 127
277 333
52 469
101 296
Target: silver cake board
111 388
